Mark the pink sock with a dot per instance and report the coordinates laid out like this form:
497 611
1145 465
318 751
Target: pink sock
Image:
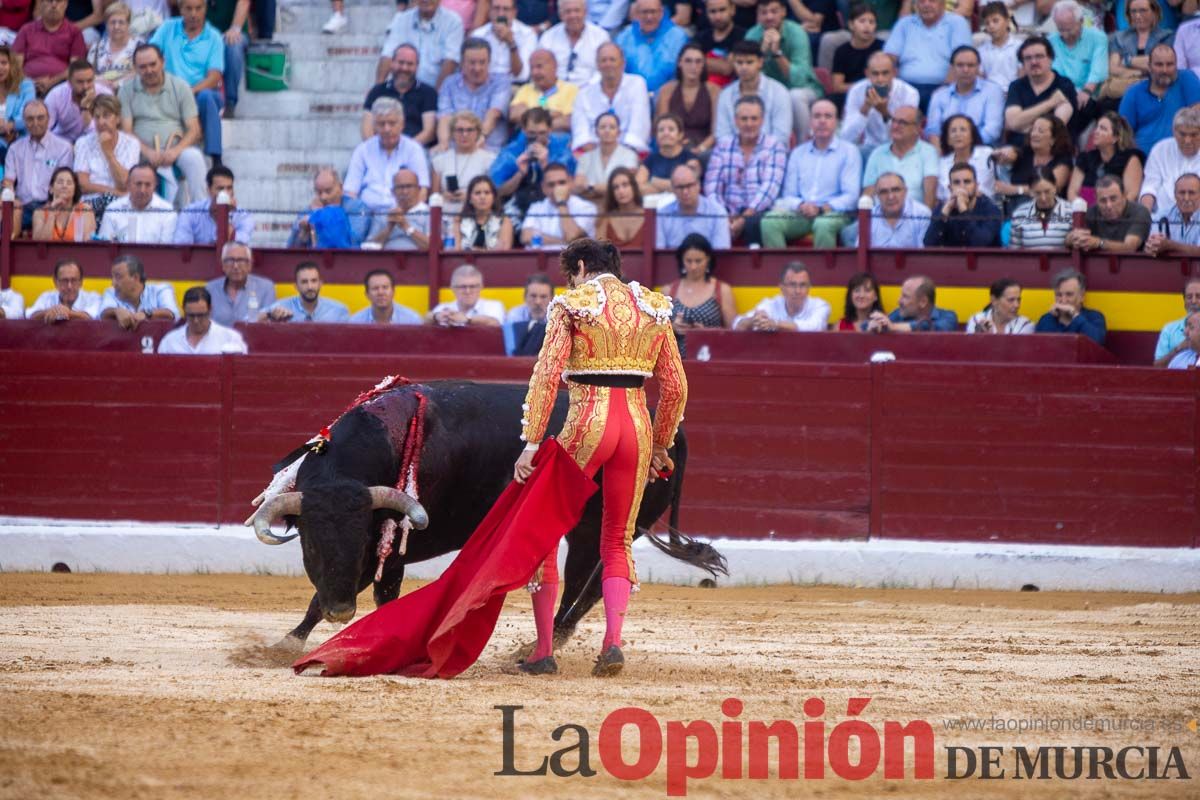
616 601
543 617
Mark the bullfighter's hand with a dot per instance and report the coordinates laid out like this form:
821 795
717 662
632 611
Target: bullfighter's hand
660 461
524 466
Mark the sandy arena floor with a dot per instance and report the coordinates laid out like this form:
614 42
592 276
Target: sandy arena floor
122 686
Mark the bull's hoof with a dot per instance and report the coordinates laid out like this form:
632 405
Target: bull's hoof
543 666
562 636
609 663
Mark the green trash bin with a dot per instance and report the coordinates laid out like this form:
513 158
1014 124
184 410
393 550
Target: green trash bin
268 67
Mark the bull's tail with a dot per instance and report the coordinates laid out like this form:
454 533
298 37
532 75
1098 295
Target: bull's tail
679 545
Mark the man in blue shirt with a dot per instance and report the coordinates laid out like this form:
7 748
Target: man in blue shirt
969 95
1068 315
383 310
1150 105
923 42
691 212
1080 56
131 300
820 187
307 305
651 44
197 223
1171 340
915 312
967 218
194 51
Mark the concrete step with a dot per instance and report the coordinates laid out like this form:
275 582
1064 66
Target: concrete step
291 134
297 104
340 75
255 164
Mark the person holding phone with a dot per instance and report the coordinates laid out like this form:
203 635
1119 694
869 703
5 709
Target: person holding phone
871 101
455 168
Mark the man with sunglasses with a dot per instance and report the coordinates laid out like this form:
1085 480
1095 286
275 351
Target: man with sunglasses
200 336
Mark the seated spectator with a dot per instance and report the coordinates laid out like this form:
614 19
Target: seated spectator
545 90
651 43
512 42
1114 154
306 305
608 14
862 302
467 307
525 325
68 299
785 44
131 300
969 95
1188 357
1045 223
897 220
201 336
375 162
45 46
13 14
718 37
239 296
1080 56
12 304
140 217
112 53
86 16
820 188
1040 92
72 102
15 91
481 224
160 110
198 221
64 218
698 298
623 218
916 311
1150 105
31 161
622 93
1068 314
104 157
574 42
457 167
772 96
1114 223
1169 159
476 90
560 217
1178 231
147 16
194 51
871 102
1048 145
1171 340
998 53
436 32
1001 315
1131 53
418 100
654 175
519 168
1187 45
746 171
793 309
906 155
967 218
922 44
383 308
334 219
405 226
691 100
850 58
960 144
597 165
691 212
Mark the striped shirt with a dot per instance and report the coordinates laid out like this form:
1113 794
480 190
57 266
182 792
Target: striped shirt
1031 232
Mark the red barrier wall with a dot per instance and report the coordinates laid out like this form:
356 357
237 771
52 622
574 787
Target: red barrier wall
1062 454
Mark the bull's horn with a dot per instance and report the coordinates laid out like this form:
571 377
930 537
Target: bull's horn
283 505
396 500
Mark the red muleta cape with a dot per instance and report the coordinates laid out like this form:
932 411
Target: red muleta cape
440 629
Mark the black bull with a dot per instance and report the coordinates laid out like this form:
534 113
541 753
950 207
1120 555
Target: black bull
470 446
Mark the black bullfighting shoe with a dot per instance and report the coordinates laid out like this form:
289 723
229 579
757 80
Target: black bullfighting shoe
609 663
543 666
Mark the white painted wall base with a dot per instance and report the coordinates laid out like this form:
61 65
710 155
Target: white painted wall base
36 544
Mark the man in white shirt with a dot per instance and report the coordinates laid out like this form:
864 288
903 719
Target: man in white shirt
12 304
560 217
871 101
623 93
140 217
200 336
574 42
377 160
67 300
467 307
1171 158
793 309
512 41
